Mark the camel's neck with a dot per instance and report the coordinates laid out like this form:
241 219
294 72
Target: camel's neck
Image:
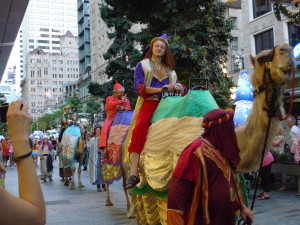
251 137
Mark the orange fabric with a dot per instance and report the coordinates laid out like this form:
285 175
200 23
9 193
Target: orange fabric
111 110
175 217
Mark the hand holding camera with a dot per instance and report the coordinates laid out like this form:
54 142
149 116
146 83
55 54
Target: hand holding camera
19 123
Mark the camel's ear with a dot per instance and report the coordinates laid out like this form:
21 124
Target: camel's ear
252 59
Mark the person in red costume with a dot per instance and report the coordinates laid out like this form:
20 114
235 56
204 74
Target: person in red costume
114 103
202 189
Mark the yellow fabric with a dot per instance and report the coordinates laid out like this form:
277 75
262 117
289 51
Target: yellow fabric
151 210
110 172
163 146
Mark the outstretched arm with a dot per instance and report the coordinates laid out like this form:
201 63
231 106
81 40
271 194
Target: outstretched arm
30 207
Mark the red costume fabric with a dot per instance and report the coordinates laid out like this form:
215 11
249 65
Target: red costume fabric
111 110
202 189
142 125
6 148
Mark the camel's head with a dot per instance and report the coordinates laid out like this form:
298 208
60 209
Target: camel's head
83 130
279 60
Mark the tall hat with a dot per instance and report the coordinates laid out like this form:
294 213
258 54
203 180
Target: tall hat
163 38
118 87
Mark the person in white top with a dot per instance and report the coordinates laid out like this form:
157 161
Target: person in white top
295 131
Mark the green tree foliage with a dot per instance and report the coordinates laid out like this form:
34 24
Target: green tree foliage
48 121
122 56
198 36
93 106
75 104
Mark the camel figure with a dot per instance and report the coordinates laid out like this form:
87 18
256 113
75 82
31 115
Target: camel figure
176 123
79 154
113 168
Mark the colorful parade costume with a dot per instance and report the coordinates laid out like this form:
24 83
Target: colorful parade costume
195 196
174 125
111 109
144 76
112 164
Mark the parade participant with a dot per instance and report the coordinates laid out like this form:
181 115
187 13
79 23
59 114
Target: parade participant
151 75
29 208
202 188
35 152
95 166
66 120
46 156
114 103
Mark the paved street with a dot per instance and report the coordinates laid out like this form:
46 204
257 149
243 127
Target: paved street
78 207
87 206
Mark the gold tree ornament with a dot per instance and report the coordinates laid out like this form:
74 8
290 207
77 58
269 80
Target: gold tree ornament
293 17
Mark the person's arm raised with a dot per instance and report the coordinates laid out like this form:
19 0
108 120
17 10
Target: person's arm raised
30 207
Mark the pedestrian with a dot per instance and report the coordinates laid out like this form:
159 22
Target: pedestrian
54 144
29 208
151 75
278 148
265 175
294 132
46 154
35 152
202 189
95 166
11 156
5 150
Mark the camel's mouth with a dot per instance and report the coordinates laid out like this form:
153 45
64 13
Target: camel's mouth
287 70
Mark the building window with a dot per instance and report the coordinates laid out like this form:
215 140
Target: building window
264 40
294 34
234 22
32 71
234 66
45 70
261 7
39 72
234 43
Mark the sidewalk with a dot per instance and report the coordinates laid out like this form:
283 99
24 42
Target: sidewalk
87 206
83 206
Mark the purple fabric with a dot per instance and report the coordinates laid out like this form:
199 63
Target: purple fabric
139 78
50 147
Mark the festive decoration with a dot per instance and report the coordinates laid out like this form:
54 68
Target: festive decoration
296 51
243 100
242 110
244 88
293 17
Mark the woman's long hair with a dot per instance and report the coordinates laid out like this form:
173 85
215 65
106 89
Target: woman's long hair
94 132
167 59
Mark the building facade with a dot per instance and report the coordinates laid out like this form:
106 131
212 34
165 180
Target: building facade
83 12
48 76
45 21
256 29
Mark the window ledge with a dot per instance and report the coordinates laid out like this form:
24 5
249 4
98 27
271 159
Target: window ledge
258 18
